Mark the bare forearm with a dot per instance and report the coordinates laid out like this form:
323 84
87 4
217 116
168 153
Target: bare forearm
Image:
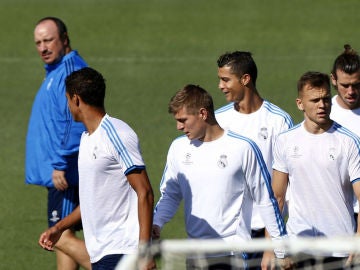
69 221
145 210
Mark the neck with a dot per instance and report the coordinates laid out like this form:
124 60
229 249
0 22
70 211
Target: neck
213 132
93 120
315 128
250 103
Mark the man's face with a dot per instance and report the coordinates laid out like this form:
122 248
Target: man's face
193 125
316 105
230 85
348 89
49 45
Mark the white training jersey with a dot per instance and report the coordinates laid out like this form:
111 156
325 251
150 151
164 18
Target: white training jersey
107 201
321 170
349 119
262 127
218 182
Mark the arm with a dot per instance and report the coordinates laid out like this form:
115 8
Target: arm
279 185
356 187
140 183
49 238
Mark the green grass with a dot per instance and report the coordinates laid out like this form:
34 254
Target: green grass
147 50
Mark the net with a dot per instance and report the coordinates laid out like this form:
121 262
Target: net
306 253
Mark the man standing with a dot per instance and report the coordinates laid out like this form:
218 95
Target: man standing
219 175
320 159
53 138
249 115
116 198
345 77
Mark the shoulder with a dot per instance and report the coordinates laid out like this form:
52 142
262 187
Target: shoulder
225 109
343 131
72 62
116 128
276 111
239 140
291 131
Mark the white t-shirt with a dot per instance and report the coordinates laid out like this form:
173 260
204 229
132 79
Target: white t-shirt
107 201
218 181
262 127
349 119
321 169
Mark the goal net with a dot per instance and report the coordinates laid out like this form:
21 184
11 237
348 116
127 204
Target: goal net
174 254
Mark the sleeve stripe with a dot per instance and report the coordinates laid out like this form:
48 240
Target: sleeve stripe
118 144
266 175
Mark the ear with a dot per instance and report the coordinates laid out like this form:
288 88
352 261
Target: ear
245 79
76 100
299 104
333 79
203 113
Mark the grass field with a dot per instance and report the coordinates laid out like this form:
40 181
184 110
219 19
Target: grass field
147 50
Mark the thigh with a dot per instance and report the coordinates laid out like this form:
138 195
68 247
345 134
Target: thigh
108 262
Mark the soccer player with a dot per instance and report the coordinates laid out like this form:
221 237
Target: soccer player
116 198
345 77
52 141
250 115
218 174
320 159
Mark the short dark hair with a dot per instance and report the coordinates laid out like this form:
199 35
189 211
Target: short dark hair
240 63
314 79
348 61
62 29
192 98
88 84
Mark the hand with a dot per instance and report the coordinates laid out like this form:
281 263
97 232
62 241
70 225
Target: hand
49 238
268 260
155 232
147 264
353 260
285 263
59 180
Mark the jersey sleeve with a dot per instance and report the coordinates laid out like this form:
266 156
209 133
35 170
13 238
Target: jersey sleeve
171 195
259 182
126 145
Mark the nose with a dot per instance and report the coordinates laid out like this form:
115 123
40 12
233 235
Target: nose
221 84
41 47
179 126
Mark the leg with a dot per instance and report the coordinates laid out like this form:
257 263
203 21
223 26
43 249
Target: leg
60 204
64 261
74 248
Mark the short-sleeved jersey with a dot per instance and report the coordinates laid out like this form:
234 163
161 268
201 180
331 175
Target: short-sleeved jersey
53 137
218 182
262 127
107 201
321 169
349 119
